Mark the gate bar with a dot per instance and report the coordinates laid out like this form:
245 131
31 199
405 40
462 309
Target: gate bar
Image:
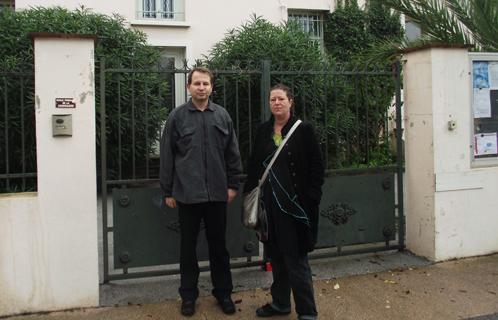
176 271
103 166
399 158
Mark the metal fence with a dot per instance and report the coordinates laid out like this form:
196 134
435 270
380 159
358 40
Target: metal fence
355 113
17 125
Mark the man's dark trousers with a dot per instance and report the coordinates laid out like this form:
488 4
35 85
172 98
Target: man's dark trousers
214 216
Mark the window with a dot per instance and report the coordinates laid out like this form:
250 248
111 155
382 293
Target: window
7 4
484 68
310 22
161 9
412 29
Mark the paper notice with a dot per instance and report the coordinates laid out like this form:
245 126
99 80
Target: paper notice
493 75
485 143
482 103
480 74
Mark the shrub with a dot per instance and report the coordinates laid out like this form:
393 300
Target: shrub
238 58
121 47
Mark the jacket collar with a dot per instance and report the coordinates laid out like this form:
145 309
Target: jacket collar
192 107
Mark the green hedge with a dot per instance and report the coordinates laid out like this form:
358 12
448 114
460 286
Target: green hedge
121 47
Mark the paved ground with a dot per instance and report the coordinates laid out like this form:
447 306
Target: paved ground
386 286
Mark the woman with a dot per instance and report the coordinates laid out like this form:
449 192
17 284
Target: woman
291 195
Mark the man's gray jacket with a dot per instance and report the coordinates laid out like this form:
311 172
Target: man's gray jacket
200 156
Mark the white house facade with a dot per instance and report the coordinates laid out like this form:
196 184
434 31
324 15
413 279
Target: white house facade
187 29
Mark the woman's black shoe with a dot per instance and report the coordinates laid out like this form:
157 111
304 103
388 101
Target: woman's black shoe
268 311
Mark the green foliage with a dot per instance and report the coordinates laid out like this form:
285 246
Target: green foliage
116 42
379 156
358 122
237 59
127 96
344 32
382 24
347 105
462 22
349 30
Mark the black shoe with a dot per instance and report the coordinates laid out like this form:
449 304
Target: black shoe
227 305
188 308
268 311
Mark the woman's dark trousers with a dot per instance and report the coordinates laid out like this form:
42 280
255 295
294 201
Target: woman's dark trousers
291 271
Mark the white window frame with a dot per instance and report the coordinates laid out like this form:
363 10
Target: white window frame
310 21
169 10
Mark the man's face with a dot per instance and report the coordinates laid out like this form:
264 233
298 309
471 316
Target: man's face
201 86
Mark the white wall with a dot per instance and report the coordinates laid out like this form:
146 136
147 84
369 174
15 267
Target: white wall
48 240
124 8
451 207
419 154
23 254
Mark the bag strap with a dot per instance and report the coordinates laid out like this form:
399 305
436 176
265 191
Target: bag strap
280 147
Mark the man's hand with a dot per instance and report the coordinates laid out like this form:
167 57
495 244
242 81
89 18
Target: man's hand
231 194
170 202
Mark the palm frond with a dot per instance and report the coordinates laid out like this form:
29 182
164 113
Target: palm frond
480 18
470 22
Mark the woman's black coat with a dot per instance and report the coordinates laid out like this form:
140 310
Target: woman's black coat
302 152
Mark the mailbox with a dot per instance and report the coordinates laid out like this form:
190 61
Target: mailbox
62 125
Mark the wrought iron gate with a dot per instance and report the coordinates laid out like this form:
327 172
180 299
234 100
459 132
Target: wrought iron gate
362 203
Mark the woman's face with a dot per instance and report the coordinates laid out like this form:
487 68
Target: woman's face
280 104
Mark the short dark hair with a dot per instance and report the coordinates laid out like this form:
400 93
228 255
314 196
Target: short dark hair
201 70
285 89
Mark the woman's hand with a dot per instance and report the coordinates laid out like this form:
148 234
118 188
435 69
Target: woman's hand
231 194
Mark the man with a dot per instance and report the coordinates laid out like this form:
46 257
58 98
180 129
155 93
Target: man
199 173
